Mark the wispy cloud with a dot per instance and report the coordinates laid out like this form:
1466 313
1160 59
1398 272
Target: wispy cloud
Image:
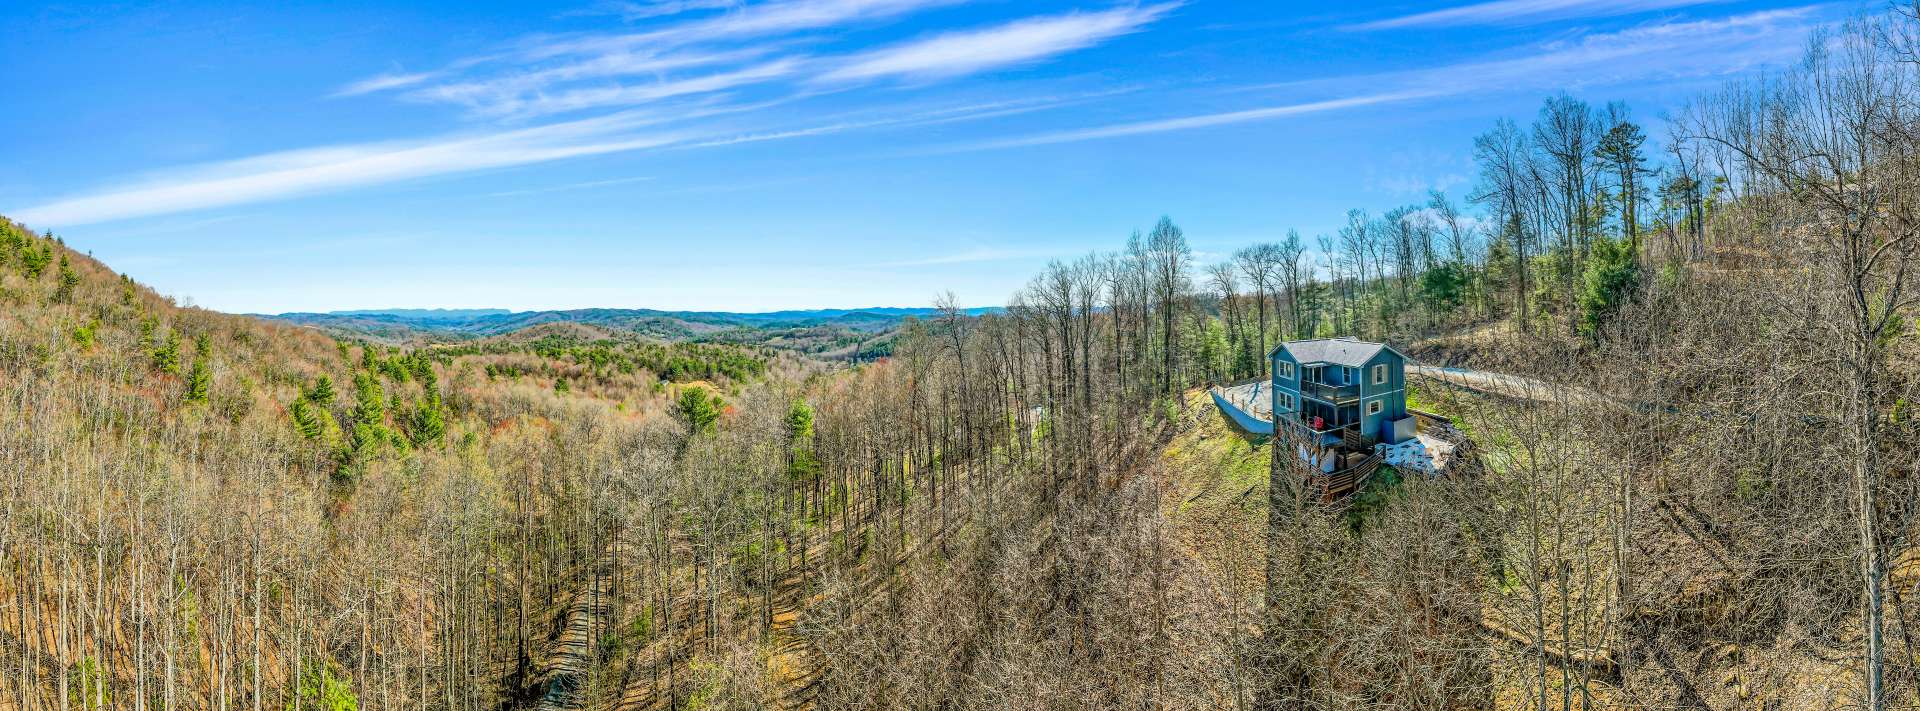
302 172
1521 12
760 20
912 118
636 11
1017 42
573 186
384 82
548 74
1693 49
1184 123
514 91
335 168
543 104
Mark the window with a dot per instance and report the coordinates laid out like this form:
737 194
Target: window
1287 404
1374 407
1286 370
1380 374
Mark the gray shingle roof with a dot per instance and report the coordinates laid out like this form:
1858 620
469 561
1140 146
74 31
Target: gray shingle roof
1338 351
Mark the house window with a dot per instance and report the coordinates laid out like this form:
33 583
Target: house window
1286 370
1374 407
1380 374
1286 402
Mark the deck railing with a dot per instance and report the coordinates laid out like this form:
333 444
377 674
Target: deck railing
1331 393
1343 483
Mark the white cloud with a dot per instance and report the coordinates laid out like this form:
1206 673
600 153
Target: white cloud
764 19
540 103
636 11
1201 121
1694 49
573 186
509 93
1516 12
384 82
302 172
1025 40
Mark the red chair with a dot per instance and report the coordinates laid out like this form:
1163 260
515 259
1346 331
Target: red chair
1319 423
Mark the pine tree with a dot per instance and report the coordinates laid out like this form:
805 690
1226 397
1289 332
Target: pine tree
699 408
200 375
1611 275
429 422
34 259
321 393
306 420
370 402
199 380
69 279
166 358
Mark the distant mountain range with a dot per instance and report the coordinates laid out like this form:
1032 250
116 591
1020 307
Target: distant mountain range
460 324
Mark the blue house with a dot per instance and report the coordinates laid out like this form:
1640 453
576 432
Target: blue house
1341 391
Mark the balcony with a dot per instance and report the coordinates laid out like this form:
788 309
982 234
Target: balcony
1336 394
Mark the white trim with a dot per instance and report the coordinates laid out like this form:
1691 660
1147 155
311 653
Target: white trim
1370 410
1380 374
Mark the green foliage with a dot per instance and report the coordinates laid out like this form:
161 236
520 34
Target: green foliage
166 358
86 334
1612 274
699 409
199 380
321 393
799 421
560 386
1214 350
35 258
320 688
678 362
69 279
12 241
82 679
1444 286
428 423
306 419
370 402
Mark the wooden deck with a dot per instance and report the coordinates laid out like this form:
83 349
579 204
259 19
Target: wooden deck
1339 485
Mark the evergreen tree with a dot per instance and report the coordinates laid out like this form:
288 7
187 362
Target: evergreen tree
85 334
699 408
166 358
321 393
306 419
429 422
370 403
1621 147
69 279
199 380
35 258
1611 275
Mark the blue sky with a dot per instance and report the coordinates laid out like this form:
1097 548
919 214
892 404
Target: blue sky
770 154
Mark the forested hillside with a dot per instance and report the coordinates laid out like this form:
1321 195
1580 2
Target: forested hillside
1034 507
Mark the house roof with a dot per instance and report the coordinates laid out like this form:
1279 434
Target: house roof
1338 351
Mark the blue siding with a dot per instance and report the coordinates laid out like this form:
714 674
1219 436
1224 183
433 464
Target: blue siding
1290 386
1392 394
